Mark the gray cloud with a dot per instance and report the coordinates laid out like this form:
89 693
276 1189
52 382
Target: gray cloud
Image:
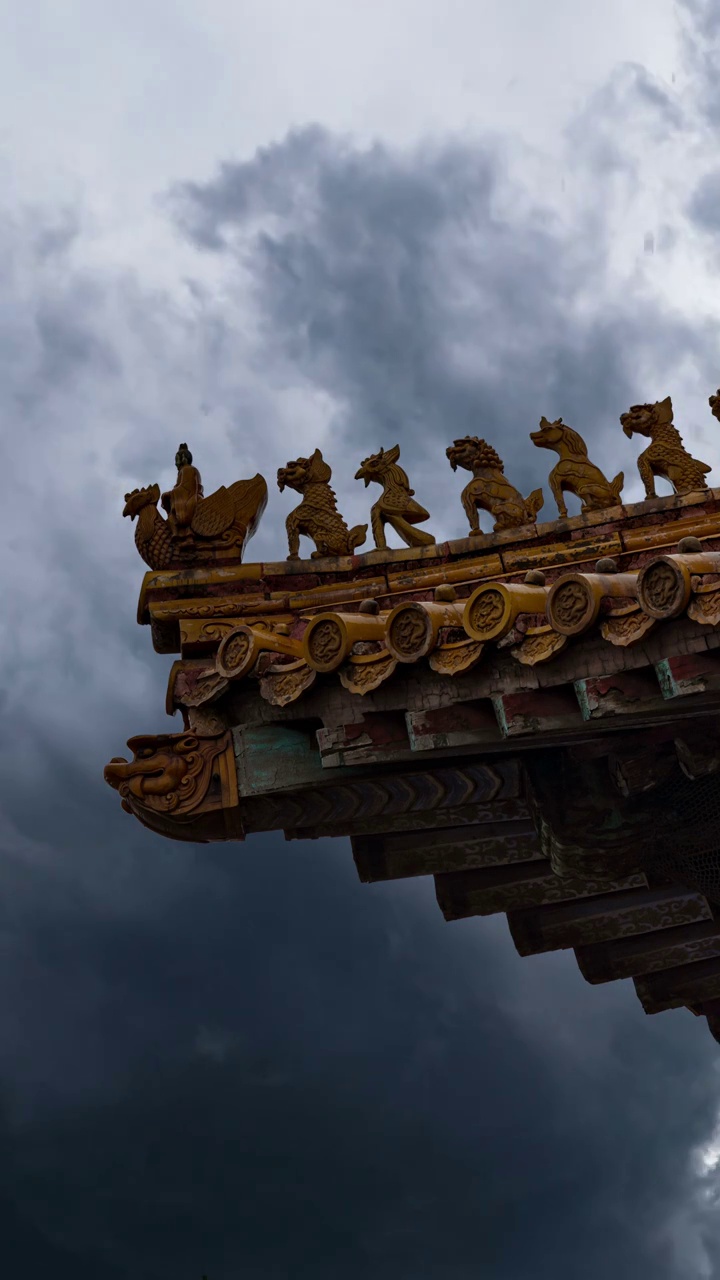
704 205
700 36
237 1059
432 299
701 41
374 1108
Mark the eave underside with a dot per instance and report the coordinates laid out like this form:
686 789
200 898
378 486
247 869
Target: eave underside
431 774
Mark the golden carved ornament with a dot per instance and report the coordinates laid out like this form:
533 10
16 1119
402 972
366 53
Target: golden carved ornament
574 473
317 516
492 610
666 456
166 611
210 686
539 644
576 599
329 637
286 682
396 506
455 657
705 607
198 530
198 636
665 583
364 672
490 490
241 648
178 775
626 627
413 629
193 683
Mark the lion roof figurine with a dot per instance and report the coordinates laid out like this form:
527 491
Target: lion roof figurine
574 473
666 456
317 516
490 490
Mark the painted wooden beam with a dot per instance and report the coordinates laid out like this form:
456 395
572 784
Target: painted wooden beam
604 918
648 952
512 887
458 848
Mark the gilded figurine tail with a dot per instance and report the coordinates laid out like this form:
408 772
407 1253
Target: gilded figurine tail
357 536
616 485
535 502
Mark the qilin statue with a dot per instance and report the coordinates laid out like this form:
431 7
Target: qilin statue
196 527
396 505
490 490
714 403
575 473
666 455
317 516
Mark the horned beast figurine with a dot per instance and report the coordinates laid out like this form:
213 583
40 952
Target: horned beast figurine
396 505
490 490
575 473
317 516
666 455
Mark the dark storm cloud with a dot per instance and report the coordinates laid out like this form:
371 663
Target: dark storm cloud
434 298
237 1060
284 1072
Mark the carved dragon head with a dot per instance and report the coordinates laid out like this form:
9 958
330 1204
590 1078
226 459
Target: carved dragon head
180 785
558 436
645 419
471 453
301 473
376 466
157 770
139 498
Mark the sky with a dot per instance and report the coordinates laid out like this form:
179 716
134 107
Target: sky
263 227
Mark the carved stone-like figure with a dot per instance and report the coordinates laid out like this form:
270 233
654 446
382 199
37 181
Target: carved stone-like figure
714 403
168 772
317 517
396 506
181 501
179 784
197 527
666 456
490 490
575 473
